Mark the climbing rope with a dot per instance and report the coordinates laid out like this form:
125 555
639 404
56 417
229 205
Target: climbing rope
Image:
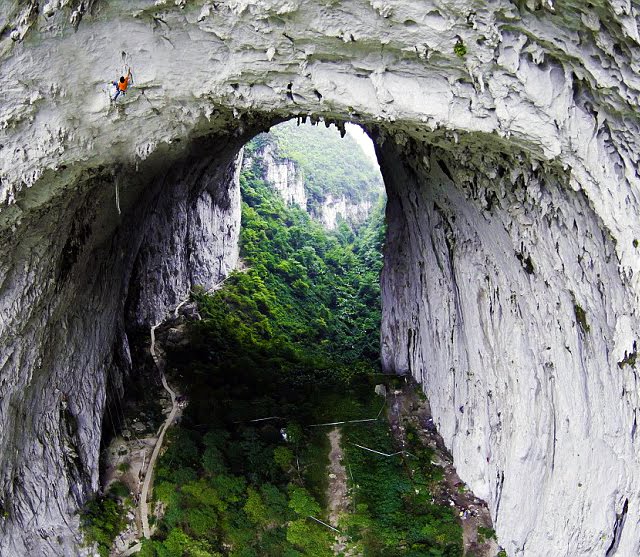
117 196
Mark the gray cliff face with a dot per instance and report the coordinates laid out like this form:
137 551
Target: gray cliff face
332 208
511 285
288 180
191 240
68 351
501 296
284 176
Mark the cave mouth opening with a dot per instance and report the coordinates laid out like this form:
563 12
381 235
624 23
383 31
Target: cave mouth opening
324 179
303 302
275 369
313 204
310 257
305 291
293 337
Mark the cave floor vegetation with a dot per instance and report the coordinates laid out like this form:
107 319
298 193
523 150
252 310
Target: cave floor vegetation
289 343
285 349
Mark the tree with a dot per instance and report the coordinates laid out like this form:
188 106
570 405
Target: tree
302 503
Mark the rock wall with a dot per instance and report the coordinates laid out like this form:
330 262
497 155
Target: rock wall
332 208
288 180
501 296
505 94
191 239
284 176
65 349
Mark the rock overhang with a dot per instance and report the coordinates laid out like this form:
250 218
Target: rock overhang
542 88
243 58
391 64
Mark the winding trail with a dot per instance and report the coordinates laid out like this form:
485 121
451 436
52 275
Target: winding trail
338 499
147 490
146 486
143 506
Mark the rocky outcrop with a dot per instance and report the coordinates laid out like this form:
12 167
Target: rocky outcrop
191 240
509 144
284 176
331 209
288 180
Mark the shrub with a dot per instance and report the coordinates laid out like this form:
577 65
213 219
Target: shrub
486 533
101 521
581 317
119 489
460 49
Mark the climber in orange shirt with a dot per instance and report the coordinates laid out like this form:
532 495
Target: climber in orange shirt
121 86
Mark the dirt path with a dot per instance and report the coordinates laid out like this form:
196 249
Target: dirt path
146 486
337 497
337 492
142 511
406 406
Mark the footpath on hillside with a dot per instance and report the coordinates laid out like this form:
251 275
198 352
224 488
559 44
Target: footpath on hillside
132 457
338 500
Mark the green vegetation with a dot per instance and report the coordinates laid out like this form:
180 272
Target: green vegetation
290 342
460 49
581 317
304 285
394 514
486 533
101 519
629 358
315 150
124 467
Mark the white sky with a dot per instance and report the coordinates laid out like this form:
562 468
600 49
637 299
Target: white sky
362 139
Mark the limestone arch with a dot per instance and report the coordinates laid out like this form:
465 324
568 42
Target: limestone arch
511 159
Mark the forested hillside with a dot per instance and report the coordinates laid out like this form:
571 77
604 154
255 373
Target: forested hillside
320 289
331 165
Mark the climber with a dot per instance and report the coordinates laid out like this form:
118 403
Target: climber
121 86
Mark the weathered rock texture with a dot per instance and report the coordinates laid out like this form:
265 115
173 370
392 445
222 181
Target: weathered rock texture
333 208
191 238
502 289
511 282
284 177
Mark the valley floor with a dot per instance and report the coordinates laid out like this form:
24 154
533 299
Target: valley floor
344 467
